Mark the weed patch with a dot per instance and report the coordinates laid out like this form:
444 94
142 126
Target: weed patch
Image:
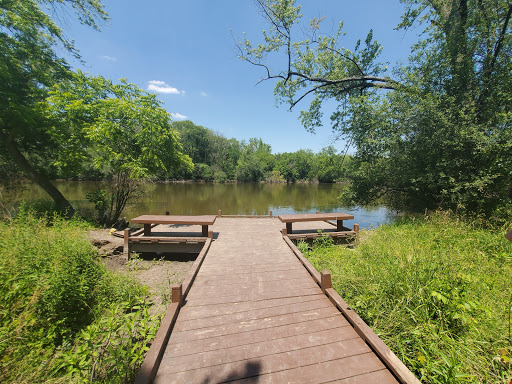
437 290
63 316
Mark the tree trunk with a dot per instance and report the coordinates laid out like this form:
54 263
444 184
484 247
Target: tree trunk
61 202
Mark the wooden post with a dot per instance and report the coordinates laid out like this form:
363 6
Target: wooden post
356 230
325 280
219 213
210 234
204 230
126 244
177 294
167 213
147 229
508 235
339 225
289 228
284 232
271 214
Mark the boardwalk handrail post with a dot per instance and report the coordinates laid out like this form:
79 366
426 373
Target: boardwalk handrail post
126 244
271 214
356 230
177 294
219 213
325 280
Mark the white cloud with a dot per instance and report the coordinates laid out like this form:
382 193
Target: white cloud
178 116
204 94
162 87
109 58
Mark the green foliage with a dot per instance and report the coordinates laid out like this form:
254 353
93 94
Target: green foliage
275 177
119 126
436 290
110 350
442 136
54 292
208 148
29 65
255 162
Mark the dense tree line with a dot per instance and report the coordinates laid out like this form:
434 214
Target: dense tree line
58 122
434 132
219 159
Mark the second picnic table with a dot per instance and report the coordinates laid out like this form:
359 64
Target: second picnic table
295 218
147 220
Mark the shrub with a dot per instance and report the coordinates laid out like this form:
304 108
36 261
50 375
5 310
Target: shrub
55 297
438 292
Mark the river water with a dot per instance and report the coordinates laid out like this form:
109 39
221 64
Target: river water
232 199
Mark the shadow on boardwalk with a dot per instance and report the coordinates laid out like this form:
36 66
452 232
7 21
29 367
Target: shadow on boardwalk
250 373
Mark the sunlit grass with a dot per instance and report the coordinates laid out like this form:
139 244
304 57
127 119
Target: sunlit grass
63 317
438 291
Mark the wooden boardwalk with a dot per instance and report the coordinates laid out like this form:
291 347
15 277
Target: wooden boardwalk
254 314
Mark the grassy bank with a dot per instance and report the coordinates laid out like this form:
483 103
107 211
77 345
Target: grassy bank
63 316
437 290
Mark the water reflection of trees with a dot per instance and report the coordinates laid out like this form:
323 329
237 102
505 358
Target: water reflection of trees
232 199
241 199
207 198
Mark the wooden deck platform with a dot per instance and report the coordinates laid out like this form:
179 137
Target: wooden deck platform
256 314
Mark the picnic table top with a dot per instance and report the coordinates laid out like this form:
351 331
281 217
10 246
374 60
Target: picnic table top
314 217
173 219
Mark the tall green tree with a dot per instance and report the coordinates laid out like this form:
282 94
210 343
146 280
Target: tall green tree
255 162
436 134
29 65
121 129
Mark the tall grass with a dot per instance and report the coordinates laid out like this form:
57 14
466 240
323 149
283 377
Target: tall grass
437 290
63 316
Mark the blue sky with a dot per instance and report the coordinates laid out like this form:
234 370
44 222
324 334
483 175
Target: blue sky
184 51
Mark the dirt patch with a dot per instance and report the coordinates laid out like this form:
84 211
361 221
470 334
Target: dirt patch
157 272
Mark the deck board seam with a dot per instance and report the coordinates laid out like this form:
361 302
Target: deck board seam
291 368
253 330
278 353
184 313
171 355
327 305
262 299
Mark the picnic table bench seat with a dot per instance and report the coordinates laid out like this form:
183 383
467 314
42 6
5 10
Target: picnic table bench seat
302 217
144 241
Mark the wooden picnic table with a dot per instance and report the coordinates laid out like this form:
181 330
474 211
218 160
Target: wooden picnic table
295 218
204 221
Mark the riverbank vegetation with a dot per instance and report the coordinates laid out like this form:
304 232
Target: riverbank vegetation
63 316
436 289
432 132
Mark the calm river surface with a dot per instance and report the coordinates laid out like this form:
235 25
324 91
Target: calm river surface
232 199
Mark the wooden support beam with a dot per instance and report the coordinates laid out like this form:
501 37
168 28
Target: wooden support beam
271 214
356 230
289 228
339 225
210 234
325 280
284 232
177 294
147 229
126 244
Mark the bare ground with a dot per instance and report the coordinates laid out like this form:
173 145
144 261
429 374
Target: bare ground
159 275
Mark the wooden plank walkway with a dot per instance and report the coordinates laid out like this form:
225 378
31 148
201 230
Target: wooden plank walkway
255 315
